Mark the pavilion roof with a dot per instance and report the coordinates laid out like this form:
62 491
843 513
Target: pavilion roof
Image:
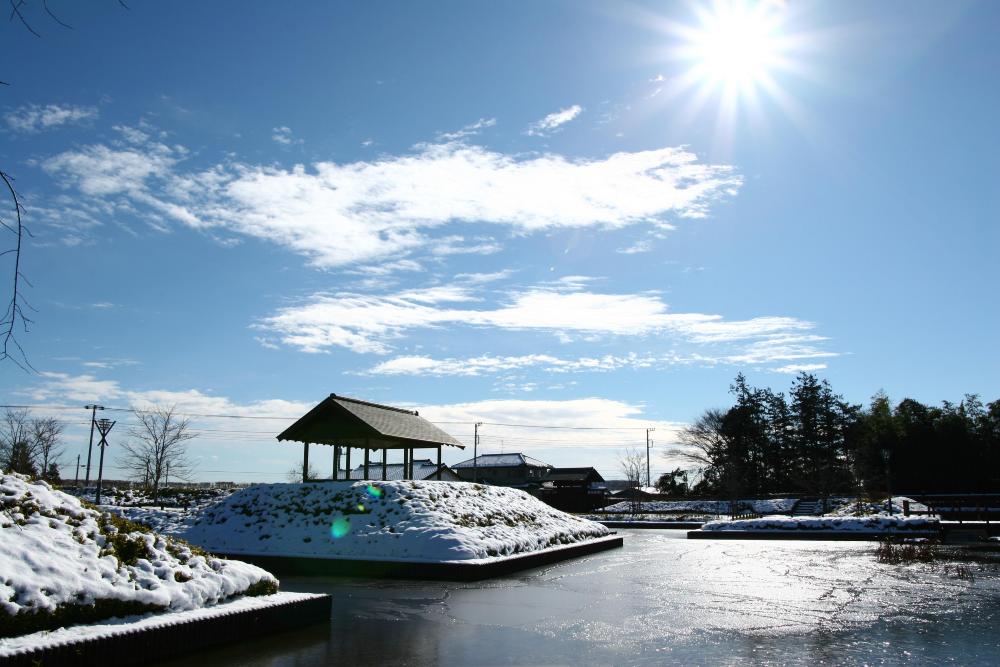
339 420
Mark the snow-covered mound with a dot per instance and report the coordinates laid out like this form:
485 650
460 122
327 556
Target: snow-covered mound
404 520
62 563
869 524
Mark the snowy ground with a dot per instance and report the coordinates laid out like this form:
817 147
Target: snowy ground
704 507
129 624
420 521
58 557
868 524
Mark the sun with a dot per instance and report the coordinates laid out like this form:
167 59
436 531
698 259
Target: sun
736 46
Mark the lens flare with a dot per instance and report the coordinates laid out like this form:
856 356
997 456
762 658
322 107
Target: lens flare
361 508
374 491
341 526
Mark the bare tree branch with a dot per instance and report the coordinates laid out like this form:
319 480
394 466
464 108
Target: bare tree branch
14 315
15 11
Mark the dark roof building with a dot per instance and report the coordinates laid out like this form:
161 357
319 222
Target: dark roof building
503 470
348 423
574 477
574 489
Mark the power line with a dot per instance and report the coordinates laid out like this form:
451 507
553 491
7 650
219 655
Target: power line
274 417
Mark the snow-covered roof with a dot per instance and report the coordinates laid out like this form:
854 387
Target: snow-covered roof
502 461
422 469
339 420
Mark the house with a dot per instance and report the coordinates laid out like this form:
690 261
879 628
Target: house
574 489
503 470
422 469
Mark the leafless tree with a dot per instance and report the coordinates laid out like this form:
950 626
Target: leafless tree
15 441
632 464
295 473
156 444
46 434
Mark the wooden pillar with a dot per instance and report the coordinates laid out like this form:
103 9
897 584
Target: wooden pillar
366 458
305 461
336 462
411 463
347 462
437 475
385 458
406 465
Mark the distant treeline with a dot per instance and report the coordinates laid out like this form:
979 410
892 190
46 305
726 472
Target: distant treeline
814 442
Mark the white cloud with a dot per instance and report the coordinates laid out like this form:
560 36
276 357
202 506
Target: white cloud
368 323
596 424
791 369
487 365
283 135
478 278
554 121
601 427
644 245
468 130
100 171
33 118
366 211
87 387
131 134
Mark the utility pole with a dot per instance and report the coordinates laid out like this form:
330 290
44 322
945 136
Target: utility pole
475 453
104 426
93 416
648 444
76 480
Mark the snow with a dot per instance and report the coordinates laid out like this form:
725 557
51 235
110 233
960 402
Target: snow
769 506
867 524
501 461
118 626
53 552
418 521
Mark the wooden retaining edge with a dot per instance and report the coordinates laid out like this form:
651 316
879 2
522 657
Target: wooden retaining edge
817 535
445 571
662 525
174 639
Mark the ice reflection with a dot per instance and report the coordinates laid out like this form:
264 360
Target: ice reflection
661 600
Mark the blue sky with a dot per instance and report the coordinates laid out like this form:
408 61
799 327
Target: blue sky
531 213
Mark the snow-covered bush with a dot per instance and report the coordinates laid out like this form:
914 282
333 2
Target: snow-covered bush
62 562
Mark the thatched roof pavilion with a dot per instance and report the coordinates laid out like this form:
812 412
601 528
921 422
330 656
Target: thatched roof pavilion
347 423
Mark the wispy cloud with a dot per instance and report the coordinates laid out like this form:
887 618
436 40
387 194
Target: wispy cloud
477 278
791 369
554 121
283 135
468 130
490 365
643 245
87 387
33 118
99 171
368 323
362 212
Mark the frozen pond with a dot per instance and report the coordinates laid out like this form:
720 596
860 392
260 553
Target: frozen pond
660 600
